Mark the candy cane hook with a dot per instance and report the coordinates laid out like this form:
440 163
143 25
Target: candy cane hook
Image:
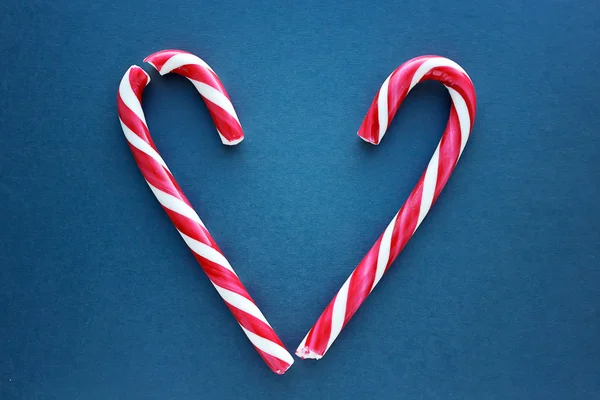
208 84
404 224
192 230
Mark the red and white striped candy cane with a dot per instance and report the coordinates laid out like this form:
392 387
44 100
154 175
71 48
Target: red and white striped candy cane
189 225
208 84
404 224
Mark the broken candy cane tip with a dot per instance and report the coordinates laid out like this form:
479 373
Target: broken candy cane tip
158 59
306 354
283 371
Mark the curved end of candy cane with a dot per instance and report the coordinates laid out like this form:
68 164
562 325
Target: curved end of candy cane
400 82
208 84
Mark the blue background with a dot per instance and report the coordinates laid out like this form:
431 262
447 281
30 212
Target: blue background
496 296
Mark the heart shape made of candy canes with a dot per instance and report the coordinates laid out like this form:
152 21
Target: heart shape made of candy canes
371 269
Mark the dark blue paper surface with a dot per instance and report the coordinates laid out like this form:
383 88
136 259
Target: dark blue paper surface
496 297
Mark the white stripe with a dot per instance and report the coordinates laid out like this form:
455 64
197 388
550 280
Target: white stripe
339 312
269 347
207 252
213 95
384 252
431 64
382 108
174 204
429 184
239 301
464 118
129 98
142 145
181 59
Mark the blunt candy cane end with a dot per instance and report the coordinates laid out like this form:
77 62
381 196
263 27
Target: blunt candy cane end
232 142
369 139
369 130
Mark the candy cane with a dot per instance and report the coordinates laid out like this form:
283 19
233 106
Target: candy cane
404 224
208 84
189 225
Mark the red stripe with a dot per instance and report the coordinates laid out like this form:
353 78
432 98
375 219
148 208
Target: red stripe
361 281
156 175
406 223
318 337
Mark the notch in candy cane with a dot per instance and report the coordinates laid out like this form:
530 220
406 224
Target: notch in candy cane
170 196
404 224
